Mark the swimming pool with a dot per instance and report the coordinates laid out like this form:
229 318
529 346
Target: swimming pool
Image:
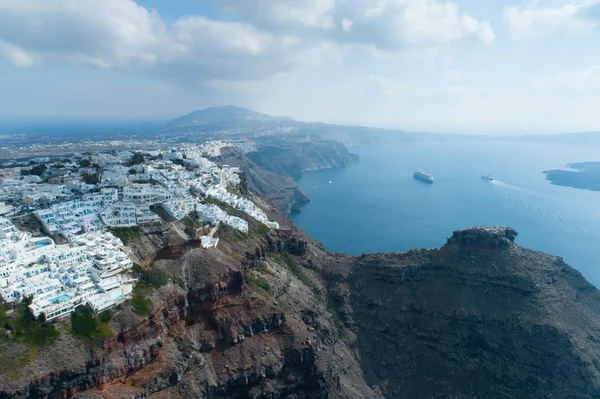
63 297
41 244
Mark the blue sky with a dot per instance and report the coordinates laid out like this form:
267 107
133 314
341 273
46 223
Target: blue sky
466 66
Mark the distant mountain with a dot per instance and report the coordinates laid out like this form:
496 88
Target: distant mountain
227 115
236 122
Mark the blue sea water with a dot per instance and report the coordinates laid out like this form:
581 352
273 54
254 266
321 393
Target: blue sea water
376 205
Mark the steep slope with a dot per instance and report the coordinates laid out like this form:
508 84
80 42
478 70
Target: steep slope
281 190
479 318
291 159
241 321
275 316
271 169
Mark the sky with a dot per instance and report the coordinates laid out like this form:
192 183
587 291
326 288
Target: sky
462 66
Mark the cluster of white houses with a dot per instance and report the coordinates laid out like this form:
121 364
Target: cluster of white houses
93 268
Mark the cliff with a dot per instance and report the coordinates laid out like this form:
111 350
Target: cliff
229 323
282 191
291 159
272 169
275 316
479 317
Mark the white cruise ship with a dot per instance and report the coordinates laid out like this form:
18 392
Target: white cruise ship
426 177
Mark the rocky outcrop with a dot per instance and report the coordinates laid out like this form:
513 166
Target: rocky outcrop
272 169
480 317
291 159
282 191
136 342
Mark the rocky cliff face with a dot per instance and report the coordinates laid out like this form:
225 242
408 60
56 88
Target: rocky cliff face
225 327
291 159
480 317
276 316
282 191
272 169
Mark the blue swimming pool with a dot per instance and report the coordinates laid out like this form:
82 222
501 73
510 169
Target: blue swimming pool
63 297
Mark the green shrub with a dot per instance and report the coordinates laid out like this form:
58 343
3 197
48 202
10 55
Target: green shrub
126 234
156 277
137 268
91 179
141 304
25 328
295 269
85 324
257 282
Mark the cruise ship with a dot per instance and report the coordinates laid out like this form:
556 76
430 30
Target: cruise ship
487 177
426 177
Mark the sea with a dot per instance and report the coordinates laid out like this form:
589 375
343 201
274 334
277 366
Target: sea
377 206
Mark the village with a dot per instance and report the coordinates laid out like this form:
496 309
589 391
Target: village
79 199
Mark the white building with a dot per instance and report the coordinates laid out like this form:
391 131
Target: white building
145 194
93 270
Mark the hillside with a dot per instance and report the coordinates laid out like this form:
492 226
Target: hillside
229 115
236 122
479 317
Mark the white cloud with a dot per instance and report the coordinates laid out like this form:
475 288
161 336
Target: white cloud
16 55
120 34
543 18
283 14
582 79
427 21
270 37
452 75
383 86
347 24
386 24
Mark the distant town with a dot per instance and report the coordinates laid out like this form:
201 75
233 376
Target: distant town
81 200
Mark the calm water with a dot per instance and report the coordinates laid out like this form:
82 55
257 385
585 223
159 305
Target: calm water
376 205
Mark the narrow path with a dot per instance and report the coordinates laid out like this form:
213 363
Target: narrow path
214 229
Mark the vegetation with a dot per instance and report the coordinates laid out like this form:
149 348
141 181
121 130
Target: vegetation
141 304
152 279
91 179
137 268
132 171
14 358
256 282
156 277
38 170
295 269
339 324
126 234
21 326
85 163
85 324
136 159
192 224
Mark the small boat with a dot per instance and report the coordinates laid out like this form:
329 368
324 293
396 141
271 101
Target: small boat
487 177
330 181
425 177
